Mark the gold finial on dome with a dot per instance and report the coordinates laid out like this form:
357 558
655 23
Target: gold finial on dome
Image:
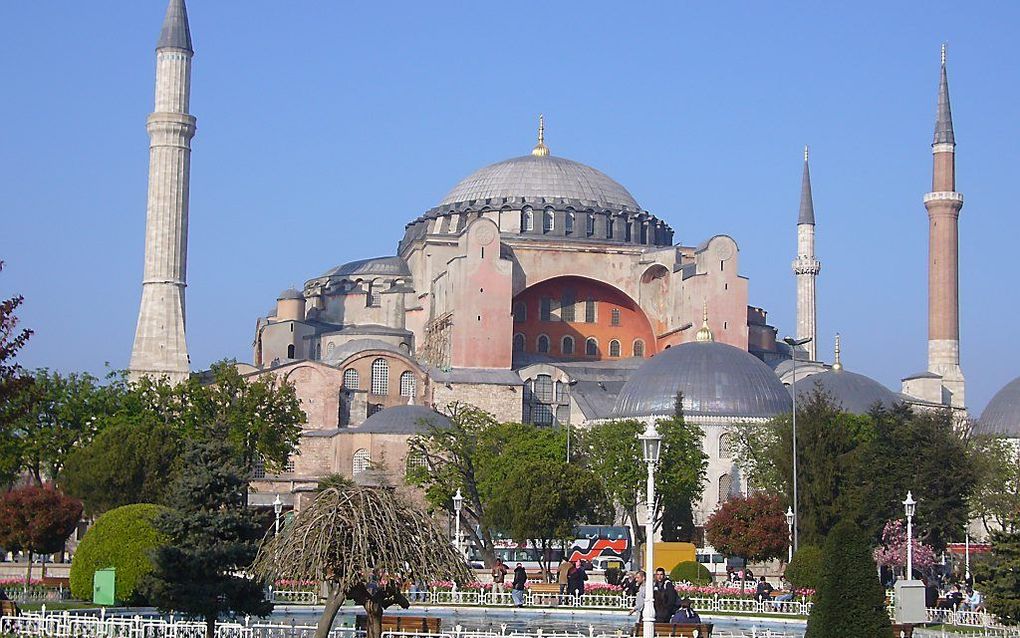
540 150
704 332
837 365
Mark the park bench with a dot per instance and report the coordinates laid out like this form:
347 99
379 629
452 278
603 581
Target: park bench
407 624
545 592
9 608
704 630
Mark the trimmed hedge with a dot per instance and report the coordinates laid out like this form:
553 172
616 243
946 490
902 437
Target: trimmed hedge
805 570
122 538
692 572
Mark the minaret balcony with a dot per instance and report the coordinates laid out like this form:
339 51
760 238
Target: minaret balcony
806 266
943 196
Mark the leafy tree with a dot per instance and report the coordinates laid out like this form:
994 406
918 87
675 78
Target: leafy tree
211 538
12 384
690 571
850 601
1000 577
131 461
37 520
893 550
753 528
805 570
996 497
542 501
123 538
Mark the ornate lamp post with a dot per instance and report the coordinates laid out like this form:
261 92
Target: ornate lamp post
651 441
277 509
793 343
458 503
789 524
909 506
966 557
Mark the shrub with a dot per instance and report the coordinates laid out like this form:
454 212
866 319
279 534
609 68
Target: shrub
805 570
122 538
691 572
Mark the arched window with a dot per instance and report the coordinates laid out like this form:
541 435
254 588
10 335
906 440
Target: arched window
361 461
568 223
351 380
591 347
725 446
609 227
380 377
415 459
329 349
589 224
407 384
527 220
639 348
543 344
370 295
540 400
725 485
614 348
547 221
567 347
519 342
520 312
614 317
290 351
589 310
567 306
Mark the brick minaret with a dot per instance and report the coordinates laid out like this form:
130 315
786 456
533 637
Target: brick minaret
944 204
160 348
805 266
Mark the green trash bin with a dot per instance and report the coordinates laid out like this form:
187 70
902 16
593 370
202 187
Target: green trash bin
104 586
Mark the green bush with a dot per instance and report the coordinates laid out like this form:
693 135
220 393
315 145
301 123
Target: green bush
805 570
692 572
122 538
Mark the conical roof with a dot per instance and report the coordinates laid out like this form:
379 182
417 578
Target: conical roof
944 119
807 205
175 33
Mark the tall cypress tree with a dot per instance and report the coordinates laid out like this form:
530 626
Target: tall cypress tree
850 602
1000 579
212 537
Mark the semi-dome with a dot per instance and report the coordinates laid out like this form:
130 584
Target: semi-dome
716 379
854 393
535 178
402 419
1002 414
385 266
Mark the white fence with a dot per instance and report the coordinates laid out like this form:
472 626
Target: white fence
38 594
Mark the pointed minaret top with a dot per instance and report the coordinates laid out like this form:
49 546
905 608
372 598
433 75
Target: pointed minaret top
807 206
704 332
175 33
944 119
540 150
837 364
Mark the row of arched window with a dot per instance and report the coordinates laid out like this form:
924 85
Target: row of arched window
380 381
568 347
549 225
362 460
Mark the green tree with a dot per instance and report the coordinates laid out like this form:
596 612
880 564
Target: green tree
753 528
37 519
212 537
542 501
850 601
131 461
996 496
13 383
805 570
999 576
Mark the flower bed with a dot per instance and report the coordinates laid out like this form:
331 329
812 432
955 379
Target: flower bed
290 584
723 591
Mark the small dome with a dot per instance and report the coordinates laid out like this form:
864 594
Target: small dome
291 293
402 419
1002 414
392 266
542 177
854 393
716 379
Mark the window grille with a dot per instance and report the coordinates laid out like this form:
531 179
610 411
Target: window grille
547 221
518 342
351 380
639 348
543 344
568 345
567 307
614 348
520 312
407 384
614 317
568 224
591 347
589 310
527 221
380 377
361 461
725 486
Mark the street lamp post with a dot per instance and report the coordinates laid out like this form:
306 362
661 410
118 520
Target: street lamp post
277 509
794 343
458 502
789 524
966 557
651 441
909 507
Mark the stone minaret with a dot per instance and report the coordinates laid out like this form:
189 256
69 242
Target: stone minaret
805 266
944 204
160 348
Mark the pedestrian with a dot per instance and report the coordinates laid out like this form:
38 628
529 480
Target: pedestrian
763 591
575 582
974 600
563 577
520 580
639 597
664 596
499 572
685 615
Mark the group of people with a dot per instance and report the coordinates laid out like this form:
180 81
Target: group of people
669 606
956 598
570 576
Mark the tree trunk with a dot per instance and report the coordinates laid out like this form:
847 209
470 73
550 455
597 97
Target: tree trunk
334 601
28 574
373 619
210 627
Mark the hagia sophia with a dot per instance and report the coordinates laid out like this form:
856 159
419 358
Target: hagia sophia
540 290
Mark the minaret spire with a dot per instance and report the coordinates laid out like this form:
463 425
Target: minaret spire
944 204
704 333
540 150
837 364
805 266
160 348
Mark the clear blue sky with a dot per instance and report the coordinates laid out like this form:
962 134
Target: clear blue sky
323 127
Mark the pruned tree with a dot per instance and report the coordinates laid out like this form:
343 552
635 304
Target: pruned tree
360 541
37 520
753 528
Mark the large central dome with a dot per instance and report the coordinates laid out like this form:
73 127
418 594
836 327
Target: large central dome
537 177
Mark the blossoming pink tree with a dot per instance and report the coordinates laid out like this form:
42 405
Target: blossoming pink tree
893 550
